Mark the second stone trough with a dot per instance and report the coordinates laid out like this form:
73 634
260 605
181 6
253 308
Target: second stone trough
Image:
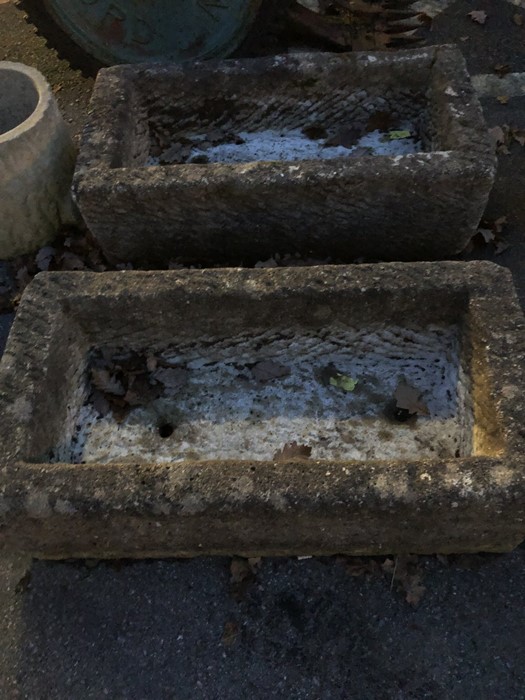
383 156
366 409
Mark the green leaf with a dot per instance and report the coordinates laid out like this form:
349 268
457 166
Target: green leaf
394 135
341 381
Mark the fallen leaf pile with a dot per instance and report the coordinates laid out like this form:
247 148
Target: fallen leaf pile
73 249
120 382
359 25
490 232
176 150
404 572
407 576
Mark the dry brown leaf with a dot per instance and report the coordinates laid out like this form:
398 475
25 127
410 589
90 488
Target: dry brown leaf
380 121
104 381
426 20
266 370
173 378
479 16
487 234
406 572
100 403
292 450
389 566
361 566
408 398
346 137
255 563
414 590
230 634
518 135
25 583
264 264
361 151
497 135
499 224
518 19
501 247
490 231
141 391
503 99
23 278
151 363
501 69
242 575
240 570
44 258
175 155
70 261
314 132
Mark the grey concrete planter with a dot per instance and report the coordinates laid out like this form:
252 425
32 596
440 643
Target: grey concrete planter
37 158
264 359
316 201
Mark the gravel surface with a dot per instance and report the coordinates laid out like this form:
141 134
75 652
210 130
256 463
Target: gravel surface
300 629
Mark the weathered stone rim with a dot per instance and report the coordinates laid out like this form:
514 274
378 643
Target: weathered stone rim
96 156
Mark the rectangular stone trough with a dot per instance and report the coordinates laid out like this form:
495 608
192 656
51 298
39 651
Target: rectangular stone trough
380 156
365 409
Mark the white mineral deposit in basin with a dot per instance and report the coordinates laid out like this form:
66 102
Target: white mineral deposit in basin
223 412
294 145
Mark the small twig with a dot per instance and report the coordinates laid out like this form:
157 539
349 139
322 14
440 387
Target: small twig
394 574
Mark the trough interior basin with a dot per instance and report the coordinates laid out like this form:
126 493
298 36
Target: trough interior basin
235 372
281 110
326 393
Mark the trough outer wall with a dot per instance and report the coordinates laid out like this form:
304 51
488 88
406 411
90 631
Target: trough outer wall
415 207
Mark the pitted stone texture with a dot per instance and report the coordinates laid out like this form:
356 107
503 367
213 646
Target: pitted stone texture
419 206
258 506
37 159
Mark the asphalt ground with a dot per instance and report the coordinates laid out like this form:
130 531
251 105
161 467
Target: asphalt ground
297 629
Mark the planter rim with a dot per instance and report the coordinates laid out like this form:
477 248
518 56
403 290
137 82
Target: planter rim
44 97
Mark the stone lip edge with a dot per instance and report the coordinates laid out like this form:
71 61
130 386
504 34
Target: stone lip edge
357 501
99 155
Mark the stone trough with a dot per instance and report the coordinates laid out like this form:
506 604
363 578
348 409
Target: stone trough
259 412
377 155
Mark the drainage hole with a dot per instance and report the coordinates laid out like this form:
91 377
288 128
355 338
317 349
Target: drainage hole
165 430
